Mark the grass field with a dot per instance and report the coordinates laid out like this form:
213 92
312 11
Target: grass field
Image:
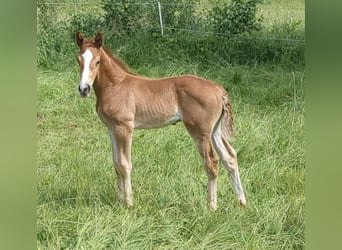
76 183
77 206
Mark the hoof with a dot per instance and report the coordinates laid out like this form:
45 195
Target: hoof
129 205
212 206
243 202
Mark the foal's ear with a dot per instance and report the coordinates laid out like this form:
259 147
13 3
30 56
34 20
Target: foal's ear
98 40
79 38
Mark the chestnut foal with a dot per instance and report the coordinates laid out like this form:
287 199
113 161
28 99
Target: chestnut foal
126 101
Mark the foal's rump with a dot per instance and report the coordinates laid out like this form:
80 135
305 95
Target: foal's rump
201 101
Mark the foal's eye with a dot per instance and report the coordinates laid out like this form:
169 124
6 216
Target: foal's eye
97 62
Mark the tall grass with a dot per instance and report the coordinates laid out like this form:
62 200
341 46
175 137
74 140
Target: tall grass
77 206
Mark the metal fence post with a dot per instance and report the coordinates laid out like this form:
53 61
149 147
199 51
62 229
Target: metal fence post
160 18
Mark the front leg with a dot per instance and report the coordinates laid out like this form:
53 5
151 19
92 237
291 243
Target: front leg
120 184
121 137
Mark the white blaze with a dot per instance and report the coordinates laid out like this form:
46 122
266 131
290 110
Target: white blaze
87 57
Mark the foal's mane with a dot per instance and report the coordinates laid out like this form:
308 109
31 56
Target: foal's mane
117 60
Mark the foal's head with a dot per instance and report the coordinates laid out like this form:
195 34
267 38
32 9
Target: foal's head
89 61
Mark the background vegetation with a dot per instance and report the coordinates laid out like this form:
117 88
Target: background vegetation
262 68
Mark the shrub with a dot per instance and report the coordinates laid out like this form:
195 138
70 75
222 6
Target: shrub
237 18
127 17
180 15
88 24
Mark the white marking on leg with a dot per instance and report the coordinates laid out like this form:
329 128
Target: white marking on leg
128 190
212 192
228 157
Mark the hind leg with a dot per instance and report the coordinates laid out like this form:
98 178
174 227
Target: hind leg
211 167
229 159
210 162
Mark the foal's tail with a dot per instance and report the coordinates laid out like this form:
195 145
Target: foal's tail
226 120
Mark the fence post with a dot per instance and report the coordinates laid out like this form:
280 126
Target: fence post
160 19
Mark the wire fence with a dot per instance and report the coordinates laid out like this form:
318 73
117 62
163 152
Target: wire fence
186 27
166 18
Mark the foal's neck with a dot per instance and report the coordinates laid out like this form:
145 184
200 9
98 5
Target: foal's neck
110 74
113 70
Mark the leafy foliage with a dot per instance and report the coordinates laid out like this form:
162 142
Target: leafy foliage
127 17
237 17
133 28
88 24
180 15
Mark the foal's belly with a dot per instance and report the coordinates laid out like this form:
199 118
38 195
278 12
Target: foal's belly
146 122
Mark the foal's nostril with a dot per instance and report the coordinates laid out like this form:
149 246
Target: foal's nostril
84 91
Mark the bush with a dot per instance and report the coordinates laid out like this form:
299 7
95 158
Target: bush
180 15
51 44
127 17
87 24
237 18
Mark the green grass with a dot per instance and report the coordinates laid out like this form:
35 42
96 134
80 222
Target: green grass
77 206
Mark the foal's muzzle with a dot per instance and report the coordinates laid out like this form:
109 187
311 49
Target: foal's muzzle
84 90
